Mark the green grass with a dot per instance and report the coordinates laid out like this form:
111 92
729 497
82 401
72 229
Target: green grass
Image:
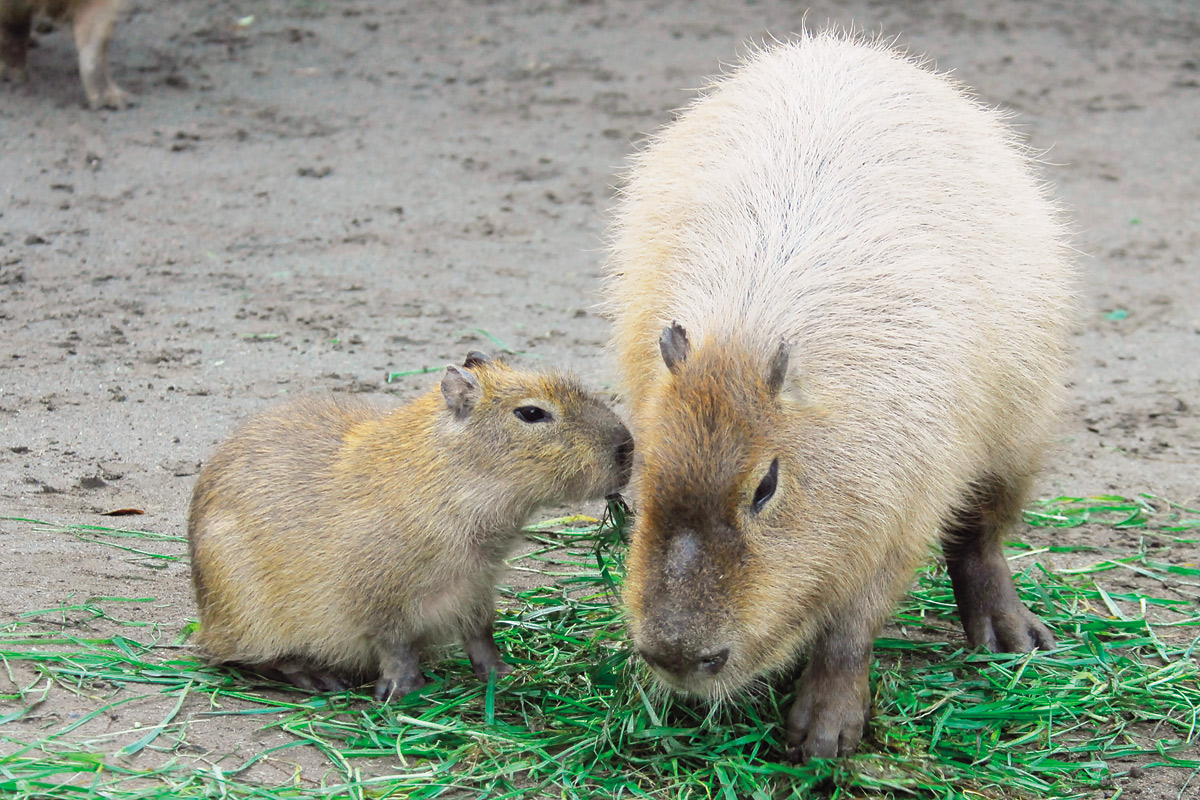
579 718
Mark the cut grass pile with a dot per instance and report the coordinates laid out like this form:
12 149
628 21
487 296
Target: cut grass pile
580 718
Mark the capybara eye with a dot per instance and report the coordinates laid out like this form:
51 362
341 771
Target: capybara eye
766 487
532 414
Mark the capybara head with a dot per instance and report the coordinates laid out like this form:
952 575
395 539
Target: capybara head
711 598
542 431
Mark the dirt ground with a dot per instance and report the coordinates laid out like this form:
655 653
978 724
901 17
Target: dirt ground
311 195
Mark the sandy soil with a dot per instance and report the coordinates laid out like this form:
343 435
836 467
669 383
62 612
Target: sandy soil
311 195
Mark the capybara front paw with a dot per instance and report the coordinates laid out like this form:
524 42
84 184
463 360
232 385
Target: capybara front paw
484 655
1008 628
502 668
389 688
824 728
827 719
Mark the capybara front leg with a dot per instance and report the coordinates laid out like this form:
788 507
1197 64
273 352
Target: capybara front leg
399 671
833 698
992 615
480 643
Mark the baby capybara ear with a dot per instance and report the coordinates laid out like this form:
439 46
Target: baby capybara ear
475 359
461 391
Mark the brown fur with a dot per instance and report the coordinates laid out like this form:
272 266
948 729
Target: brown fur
330 538
92 21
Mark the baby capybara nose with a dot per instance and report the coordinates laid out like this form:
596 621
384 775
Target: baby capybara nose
683 662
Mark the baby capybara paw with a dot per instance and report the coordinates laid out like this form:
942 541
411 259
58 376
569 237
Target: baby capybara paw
482 671
305 676
389 688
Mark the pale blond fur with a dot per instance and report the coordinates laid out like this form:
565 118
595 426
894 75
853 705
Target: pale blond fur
325 531
842 198
92 22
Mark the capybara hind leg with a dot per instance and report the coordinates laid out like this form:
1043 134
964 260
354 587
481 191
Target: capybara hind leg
833 697
399 671
992 615
15 21
93 29
480 644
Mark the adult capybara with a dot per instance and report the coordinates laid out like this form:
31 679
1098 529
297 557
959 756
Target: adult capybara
842 303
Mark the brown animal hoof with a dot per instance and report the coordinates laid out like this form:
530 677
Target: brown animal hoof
113 98
11 74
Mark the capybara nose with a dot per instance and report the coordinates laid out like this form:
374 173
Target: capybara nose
666 661
713 662
683 662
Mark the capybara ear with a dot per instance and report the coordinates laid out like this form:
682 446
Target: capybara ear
475 358
461 391
674 346
777 372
